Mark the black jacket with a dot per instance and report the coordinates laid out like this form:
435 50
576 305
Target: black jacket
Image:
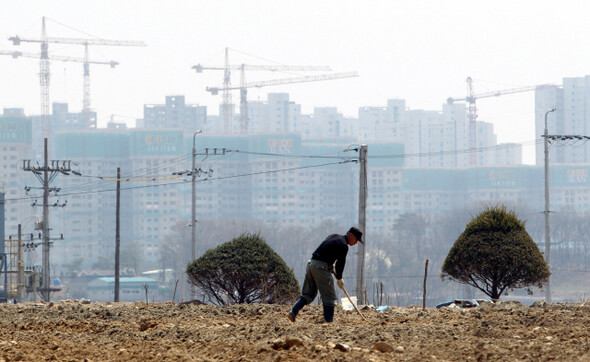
333 249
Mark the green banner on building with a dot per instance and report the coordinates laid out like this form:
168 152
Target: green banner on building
155 143
15 130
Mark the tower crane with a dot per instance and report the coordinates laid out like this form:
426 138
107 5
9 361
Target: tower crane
472 109
227 100
89 123
44 74
274 82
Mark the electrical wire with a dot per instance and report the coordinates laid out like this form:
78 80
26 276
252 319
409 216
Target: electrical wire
283 155
142 174
188 181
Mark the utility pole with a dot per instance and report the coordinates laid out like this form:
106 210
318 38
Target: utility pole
45 292
547 227
46 174
360 267
20 281
193 173
118 234
553 138
194 209
3 254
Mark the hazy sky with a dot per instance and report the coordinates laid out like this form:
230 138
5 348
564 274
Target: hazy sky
421 51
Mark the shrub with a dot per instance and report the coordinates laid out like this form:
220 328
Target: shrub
243 270
495 253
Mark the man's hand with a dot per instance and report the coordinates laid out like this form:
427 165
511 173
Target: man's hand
340 283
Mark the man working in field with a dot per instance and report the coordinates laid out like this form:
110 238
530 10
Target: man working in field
318 275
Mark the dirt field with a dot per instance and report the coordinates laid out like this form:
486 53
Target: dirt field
76 331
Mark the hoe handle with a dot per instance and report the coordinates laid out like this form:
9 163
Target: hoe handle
355 308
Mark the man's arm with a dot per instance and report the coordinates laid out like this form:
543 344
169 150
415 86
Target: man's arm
340 263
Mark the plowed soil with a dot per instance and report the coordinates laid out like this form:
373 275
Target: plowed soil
79 331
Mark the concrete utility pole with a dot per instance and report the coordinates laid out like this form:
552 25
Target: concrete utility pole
193 173
3 255
360 267
547 227
20 281
553 138
46 275
117 234
194 210
46 174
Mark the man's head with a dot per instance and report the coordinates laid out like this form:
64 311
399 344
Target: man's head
354 235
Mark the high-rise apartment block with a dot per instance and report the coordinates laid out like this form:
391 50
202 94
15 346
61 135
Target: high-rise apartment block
433 138
175 113
15 146
571 117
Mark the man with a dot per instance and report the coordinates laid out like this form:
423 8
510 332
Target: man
318 275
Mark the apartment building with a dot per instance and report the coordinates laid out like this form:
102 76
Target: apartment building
174 113
88 219
433 138
158 201
15 146
571 101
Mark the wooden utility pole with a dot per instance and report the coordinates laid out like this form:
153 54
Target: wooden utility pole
118 234
425 277
360 266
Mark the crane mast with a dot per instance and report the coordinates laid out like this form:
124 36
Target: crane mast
472 116
44 76
227 103
243 103
88 121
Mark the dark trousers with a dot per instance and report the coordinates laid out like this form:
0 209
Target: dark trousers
318 277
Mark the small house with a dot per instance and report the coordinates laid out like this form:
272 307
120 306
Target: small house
131 289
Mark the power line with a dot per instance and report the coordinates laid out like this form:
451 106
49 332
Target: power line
187 181
136 174
284 155
103 180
